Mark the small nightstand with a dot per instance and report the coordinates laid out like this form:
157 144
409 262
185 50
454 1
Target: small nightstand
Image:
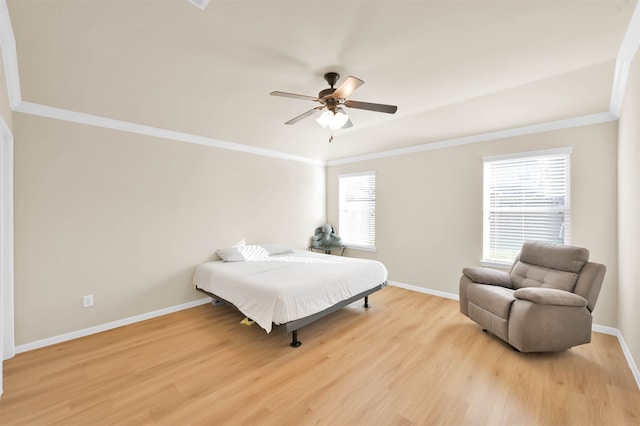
328 251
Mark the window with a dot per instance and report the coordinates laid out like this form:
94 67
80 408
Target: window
357 205
526 198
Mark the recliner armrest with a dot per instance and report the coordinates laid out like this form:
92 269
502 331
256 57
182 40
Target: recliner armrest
550 296
488 276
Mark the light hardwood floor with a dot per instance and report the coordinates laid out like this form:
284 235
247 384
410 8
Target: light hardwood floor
410 359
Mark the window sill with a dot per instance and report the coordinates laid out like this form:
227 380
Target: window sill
363 248
496 264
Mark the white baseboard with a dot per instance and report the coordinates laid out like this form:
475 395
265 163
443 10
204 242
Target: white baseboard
108 326
424 290
597 328
606 330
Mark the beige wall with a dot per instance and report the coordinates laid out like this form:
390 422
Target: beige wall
629 211
127 217
429 207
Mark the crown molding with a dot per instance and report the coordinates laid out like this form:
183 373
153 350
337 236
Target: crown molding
125 126
568 123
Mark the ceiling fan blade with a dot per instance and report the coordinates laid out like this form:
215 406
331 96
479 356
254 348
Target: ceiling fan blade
347 87
389 109
293 95
304 115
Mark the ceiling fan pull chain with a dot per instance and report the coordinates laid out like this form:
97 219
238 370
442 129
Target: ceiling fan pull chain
330 138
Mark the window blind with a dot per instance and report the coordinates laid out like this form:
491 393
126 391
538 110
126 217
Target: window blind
526 198
357 209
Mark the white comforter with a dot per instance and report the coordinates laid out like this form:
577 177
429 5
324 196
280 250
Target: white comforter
282 288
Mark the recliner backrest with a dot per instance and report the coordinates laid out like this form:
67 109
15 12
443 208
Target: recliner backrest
548 265
590 282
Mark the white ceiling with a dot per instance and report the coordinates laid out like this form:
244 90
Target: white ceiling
454 68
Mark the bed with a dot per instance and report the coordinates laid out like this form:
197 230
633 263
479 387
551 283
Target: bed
274 285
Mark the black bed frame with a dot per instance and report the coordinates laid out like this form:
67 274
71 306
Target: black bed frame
293 326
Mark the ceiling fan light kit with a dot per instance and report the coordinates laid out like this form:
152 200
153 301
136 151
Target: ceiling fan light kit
333 121
332 99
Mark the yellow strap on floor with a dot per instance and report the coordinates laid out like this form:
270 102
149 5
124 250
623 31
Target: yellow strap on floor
247 321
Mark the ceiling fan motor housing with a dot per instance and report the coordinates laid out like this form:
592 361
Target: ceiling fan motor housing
326 96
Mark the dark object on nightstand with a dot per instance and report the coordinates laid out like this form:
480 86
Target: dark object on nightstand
326 239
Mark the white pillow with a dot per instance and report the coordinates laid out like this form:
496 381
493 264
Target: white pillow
253 252
230 255
276 249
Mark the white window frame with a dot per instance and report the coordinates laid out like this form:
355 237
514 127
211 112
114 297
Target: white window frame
489 164
350 237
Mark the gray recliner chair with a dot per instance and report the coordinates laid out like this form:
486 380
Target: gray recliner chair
542 304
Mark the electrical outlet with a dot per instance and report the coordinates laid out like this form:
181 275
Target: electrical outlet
87 300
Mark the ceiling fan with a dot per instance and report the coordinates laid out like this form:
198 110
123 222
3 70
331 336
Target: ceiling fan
333 99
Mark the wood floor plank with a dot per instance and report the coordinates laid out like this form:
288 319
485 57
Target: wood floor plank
412 359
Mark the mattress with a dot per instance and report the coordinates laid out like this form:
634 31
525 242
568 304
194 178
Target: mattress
277 289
